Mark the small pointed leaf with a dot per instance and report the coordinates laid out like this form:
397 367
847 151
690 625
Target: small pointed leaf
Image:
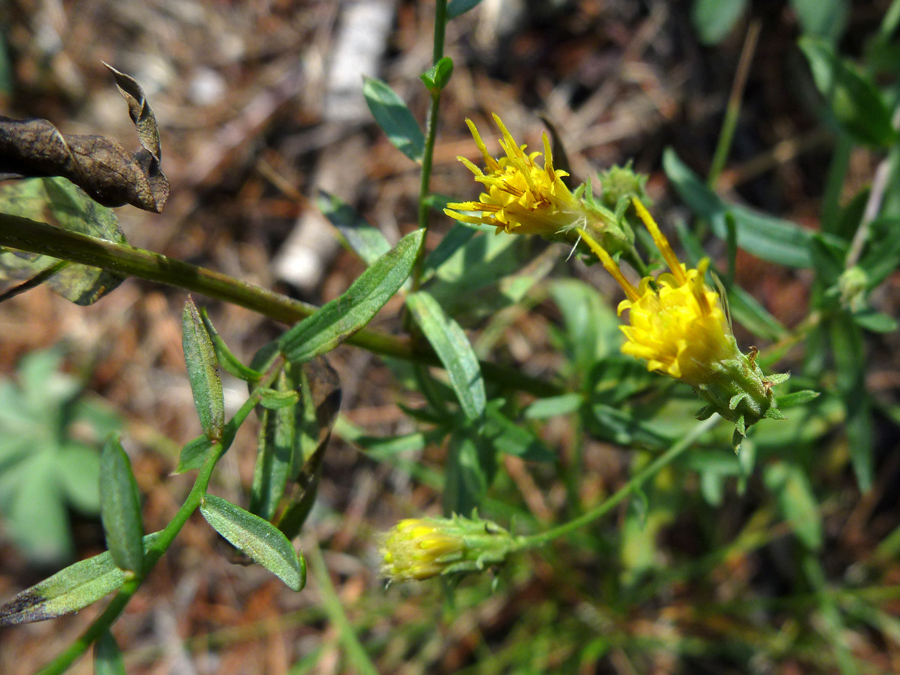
193 454
342 317
225 357
454 350
394 118
263 542
203 372
107 656
67 591
120 508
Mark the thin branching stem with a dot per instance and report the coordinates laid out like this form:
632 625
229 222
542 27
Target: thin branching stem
103 622
641 477
440 25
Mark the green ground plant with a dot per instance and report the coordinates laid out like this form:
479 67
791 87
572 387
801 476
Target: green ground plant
626 387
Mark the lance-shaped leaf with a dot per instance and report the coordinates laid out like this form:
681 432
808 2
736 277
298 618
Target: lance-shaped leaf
366 241
226 358
856 103
274 451
454 350
67 591
459 7
57 201
321 400
120 508
107 656
100 166
394 118
263 542
194 454
203 372
343 316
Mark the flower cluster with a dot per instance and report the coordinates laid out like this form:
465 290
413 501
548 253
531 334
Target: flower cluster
678 326
421 548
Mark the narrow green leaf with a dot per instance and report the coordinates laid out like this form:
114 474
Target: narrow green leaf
276 400
120 508
394 118
848 350
514 438
797 502
454 350
457 8
203 372
67 591
57 201
822 18
774 239
275 446
320 390
340 318
714 19
437 77
366 241
107 657
263 542
874 321
855 102
553 406
795 399
224 356
456 238
882 254
466 476
194 454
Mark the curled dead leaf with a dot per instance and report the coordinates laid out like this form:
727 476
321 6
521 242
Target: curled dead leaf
100 166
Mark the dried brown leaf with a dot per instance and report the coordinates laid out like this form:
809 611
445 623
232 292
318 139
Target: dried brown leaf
100 166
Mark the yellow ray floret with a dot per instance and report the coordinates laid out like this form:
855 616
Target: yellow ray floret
519 195
677 323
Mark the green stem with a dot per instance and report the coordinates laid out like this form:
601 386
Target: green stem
733 110
641 477
440 25
831 200
35 237
335 610
162 543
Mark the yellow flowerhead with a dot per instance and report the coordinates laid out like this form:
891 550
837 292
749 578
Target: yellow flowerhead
519 195
678 326
421 548
416 549
677 323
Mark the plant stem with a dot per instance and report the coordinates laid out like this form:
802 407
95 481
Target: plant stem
733 110
440 25
645 474
36 237
837 171
355 651
160 545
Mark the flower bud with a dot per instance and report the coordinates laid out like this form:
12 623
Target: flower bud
421 548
